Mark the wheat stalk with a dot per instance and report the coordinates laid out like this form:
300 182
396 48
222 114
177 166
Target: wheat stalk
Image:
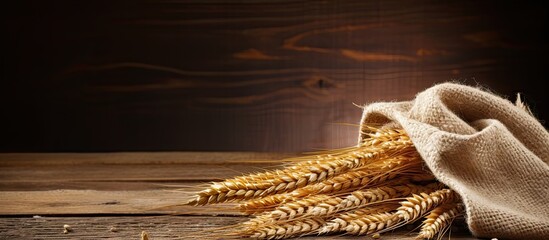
365 197
380 146
365 177
354 190
344 183
236 189
288 180
349 180
323 205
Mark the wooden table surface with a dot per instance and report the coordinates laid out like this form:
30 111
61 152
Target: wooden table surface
119 195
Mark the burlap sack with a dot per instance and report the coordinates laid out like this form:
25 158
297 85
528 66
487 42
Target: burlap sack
492 153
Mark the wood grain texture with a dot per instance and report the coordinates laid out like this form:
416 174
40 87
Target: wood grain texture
132 192
117 183
126 171
158 227
249 75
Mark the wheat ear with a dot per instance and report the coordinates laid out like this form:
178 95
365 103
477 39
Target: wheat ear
301 175
340 222
347 182
352 179
368 176
312 206
355 179
354 189
268 203
235 189
302 207
372 223
439 219
343 183
416 206
285 230
364 197
324 205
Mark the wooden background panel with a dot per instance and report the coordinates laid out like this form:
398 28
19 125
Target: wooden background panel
248 75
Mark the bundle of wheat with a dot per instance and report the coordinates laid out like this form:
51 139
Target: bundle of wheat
375 187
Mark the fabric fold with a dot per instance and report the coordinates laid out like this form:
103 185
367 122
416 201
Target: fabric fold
493 153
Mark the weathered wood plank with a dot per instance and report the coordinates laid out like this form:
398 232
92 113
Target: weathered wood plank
78 202
136 158
116 183
158 227
125 171
67 202
144 173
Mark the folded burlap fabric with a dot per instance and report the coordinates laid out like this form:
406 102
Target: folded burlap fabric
491 152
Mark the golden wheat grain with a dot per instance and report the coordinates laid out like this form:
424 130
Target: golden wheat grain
338 185
284 230
383 135
439 219
268 203
365 177
326 208
321 205
364 197
312 206
235 189
417 205
242 188
371 223
340 221
301 207
344 183
386 141
354 190
408 189
381 145
350 181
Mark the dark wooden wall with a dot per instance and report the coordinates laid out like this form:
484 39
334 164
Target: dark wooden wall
247 75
